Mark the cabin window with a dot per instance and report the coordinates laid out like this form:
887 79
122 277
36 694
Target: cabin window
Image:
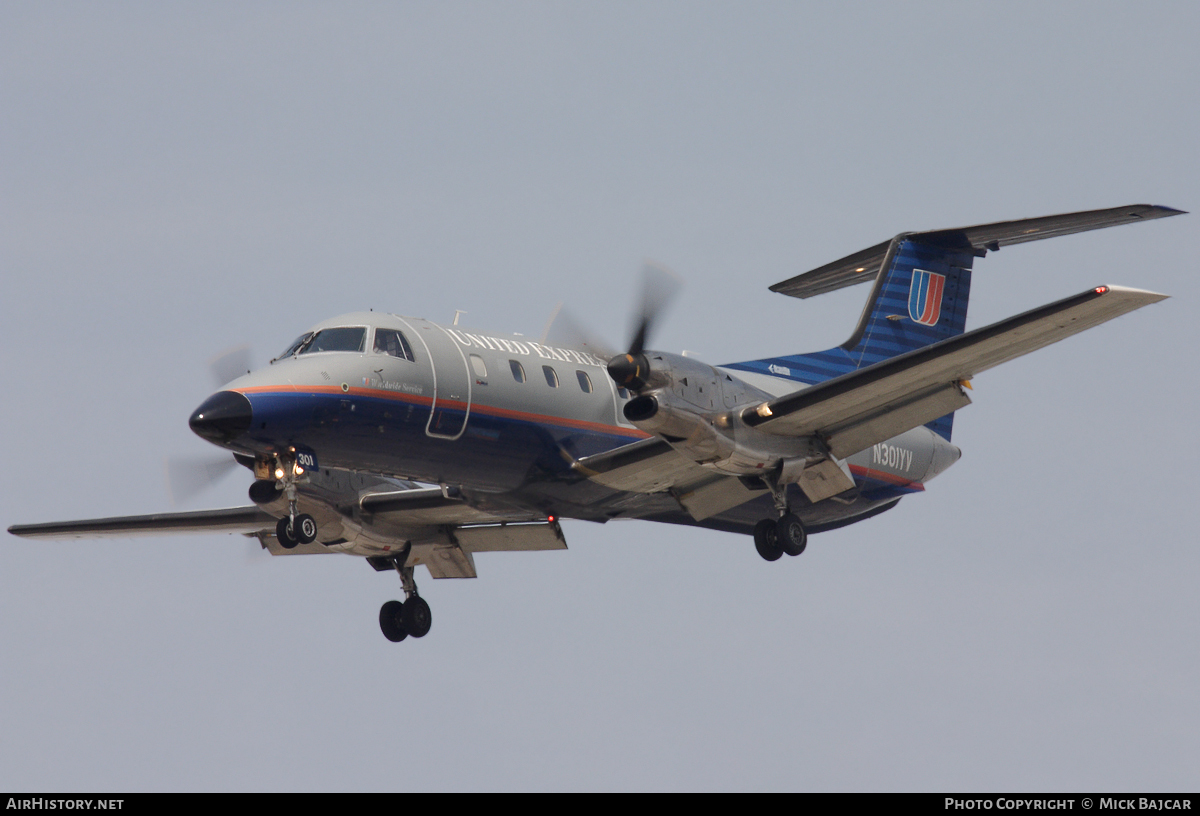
393 343
518 370
343 338
551 376
585 382
478 366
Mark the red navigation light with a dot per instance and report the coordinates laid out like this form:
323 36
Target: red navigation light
1100 290
550 519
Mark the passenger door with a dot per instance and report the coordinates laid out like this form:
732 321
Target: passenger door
451 380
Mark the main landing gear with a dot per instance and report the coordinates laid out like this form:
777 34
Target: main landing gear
774 538
412 617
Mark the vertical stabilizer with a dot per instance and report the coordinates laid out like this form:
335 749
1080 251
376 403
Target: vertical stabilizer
922 285
919 297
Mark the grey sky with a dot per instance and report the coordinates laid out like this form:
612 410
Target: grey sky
178 180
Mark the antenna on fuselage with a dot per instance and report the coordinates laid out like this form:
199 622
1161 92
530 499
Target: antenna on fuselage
457 314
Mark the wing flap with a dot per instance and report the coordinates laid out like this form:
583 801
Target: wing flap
653 466
853 410
715 496
848 438
646 466
451 554
518 537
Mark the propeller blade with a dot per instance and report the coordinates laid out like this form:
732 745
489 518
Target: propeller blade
659 287
188 476
564 329
230 364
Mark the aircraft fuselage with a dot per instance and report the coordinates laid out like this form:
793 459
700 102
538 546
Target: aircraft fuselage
504 418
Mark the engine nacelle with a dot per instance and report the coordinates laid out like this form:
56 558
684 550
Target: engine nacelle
697 409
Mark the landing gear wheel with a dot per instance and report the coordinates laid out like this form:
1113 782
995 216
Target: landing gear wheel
416 617
305 528
766 540
389 621
791 535
283 531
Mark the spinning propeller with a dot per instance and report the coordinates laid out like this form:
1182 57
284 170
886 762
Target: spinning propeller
659 287
188 476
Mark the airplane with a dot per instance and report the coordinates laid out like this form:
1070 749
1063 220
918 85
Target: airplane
411 443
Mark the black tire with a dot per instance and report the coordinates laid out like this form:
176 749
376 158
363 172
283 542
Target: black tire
766 540
389 621
306 528
416 617
283 531
791 535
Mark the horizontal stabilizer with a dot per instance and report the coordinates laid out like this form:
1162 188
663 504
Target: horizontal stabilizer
864 265
851 412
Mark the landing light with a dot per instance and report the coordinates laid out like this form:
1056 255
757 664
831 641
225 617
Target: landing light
764 410
299 470
278 473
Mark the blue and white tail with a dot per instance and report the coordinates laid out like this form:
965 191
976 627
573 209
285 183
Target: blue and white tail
922 287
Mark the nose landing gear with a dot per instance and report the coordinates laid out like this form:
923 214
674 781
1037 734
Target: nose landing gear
301 529
294 528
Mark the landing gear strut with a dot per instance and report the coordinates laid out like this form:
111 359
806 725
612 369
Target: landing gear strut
773 538
412 617
293 528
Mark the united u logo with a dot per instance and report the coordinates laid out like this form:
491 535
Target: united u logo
925 297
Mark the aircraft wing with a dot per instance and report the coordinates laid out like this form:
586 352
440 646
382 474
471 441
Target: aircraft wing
247 520
867 406
442 530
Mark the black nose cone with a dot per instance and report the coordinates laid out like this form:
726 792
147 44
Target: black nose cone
222 417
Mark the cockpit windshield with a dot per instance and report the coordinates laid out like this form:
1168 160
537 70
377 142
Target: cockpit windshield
295 346
342 338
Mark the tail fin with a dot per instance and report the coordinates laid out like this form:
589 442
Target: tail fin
922 287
